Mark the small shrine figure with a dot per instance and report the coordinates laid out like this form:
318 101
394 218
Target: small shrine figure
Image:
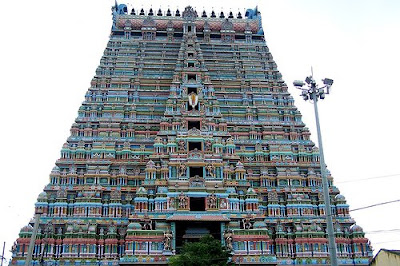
202 107
279 227
14 248
223 204
182 170
210 169
136 170
122 170
337 227
183 201
182 145
111 229
147 223
122 232
313 227
228 239
183 125
208 145
212 202
247 222
171 202
167 240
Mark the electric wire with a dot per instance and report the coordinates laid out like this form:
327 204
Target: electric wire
367 178
390 241
375 205
383 231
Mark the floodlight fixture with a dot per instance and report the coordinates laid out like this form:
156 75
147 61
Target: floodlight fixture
304 94
327 81
309 80
328 87
298 83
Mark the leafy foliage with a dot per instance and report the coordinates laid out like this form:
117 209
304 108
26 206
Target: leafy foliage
207 252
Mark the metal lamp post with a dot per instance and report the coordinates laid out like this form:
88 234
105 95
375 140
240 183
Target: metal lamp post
33 238
2 255
313 92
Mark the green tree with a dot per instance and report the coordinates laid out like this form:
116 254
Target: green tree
207 252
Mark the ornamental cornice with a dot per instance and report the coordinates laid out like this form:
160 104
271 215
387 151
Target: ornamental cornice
136 22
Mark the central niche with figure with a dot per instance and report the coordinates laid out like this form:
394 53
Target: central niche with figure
193 99
197 204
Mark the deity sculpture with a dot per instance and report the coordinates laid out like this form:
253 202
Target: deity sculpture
182 170
211 170
212 202
167 240
228 239
182 145
246 223
183 201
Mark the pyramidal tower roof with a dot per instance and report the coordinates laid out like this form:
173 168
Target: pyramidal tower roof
187 129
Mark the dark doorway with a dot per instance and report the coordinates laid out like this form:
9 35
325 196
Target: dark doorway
191 77
194 124
190 90
194 145
193 171
197 204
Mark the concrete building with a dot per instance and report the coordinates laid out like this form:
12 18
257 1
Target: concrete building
386 257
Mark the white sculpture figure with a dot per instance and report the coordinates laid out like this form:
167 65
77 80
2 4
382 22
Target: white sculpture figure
193 99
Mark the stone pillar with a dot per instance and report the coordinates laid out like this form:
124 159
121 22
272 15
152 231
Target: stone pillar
173 230
222 233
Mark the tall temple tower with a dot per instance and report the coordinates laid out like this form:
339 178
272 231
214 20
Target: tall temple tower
188 129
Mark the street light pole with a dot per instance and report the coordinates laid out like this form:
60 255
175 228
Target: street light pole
2 255
33 239
314 93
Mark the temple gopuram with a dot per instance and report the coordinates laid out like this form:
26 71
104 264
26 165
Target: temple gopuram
187 130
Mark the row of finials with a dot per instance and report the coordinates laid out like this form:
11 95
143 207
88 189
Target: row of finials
178 14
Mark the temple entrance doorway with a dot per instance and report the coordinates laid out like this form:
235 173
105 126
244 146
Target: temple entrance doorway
192 231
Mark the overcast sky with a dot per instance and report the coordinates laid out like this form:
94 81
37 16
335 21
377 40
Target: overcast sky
49 51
